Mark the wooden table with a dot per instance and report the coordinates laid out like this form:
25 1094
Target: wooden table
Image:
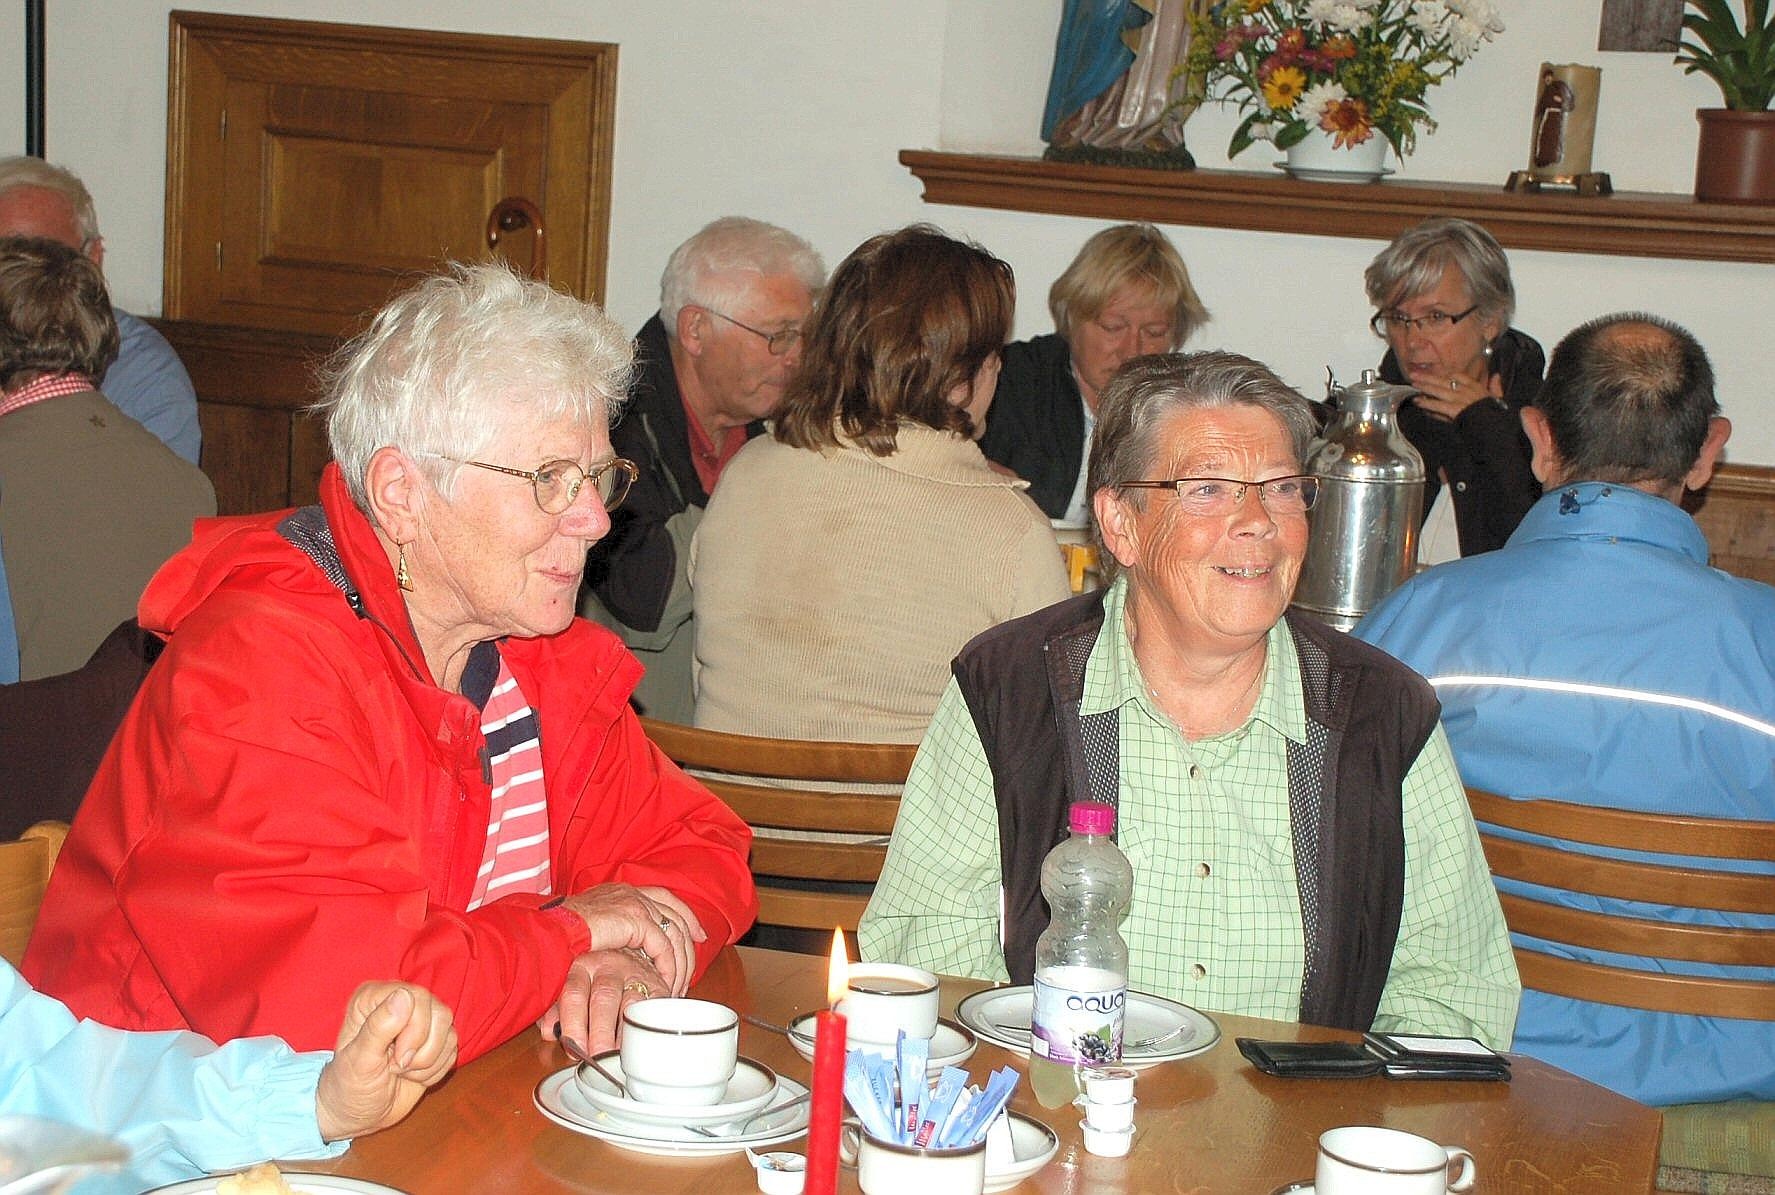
1206 1125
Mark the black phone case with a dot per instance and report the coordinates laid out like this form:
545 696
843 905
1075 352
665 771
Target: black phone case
1310 1060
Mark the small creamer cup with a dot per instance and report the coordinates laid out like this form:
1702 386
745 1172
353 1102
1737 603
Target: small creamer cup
1113 1117
880 999
677 1051
888 1168
1108 1143
1109 1084
1368 1160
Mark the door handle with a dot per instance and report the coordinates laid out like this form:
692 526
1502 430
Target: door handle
512 214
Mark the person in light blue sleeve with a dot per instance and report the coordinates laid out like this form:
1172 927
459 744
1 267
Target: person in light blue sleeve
1596 658
184 1105
147 382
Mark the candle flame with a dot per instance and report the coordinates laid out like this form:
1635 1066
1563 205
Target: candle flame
839 974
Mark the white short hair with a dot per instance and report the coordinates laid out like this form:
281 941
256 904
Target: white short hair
35 172
450 363
716 266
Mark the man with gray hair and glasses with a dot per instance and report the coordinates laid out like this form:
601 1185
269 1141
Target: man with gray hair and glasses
710 367
1596 659
147 382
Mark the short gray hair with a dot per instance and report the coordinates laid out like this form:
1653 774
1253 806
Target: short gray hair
448 364
1418 257
711 268
1148 390
35 172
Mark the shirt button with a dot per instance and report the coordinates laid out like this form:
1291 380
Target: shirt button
1199 971
1460 487
1203 870
1195 771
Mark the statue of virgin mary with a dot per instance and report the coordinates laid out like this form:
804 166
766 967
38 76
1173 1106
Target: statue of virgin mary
1117 93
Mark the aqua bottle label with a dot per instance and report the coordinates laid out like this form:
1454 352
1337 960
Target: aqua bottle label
1077 1016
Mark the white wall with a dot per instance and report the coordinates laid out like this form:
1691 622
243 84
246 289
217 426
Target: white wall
794 110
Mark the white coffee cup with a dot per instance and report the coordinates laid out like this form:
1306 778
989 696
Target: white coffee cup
888 1168
1367 1160
883 998
677 1051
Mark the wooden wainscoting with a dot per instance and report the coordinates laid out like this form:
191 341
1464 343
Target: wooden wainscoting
1737 512
260 449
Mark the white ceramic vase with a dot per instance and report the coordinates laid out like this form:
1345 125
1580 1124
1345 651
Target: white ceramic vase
1317 156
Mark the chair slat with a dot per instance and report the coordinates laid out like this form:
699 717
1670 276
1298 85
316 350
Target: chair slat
1723 944
1659 882
25 866
805 788
1654 990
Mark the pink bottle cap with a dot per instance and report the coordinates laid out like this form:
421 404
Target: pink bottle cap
1092 817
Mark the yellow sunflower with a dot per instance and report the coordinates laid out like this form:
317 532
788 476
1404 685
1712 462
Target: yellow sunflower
1283 86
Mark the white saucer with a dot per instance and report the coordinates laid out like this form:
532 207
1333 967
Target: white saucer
1147 1016
1034 1145
951 1045
302 1184
750 1089
560 1100
1308 174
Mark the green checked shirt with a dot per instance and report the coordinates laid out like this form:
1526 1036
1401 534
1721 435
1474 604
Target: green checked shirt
1215 921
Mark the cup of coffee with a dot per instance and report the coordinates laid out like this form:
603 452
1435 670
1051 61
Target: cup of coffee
889 1168
883 998
678 1051
1367 1160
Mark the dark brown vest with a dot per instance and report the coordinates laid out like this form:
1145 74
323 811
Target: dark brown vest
1368 717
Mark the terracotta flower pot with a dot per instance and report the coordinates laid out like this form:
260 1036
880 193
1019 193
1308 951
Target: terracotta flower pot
1735 159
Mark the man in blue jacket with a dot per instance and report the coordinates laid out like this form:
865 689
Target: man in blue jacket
1597 659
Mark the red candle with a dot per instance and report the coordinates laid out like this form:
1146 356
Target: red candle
827 1107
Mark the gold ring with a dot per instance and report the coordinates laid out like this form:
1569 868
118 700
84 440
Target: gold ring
638 987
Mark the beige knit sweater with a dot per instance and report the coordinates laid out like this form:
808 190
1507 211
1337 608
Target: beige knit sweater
833 588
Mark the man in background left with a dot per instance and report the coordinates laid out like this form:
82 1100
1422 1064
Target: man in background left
148 382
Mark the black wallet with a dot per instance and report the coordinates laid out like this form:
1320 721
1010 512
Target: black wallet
1395 1055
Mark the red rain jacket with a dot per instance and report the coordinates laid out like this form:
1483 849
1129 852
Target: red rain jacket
287 810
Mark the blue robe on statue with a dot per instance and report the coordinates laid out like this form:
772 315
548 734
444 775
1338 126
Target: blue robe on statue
1089 55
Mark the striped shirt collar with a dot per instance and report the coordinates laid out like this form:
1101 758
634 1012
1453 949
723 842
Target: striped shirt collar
51 385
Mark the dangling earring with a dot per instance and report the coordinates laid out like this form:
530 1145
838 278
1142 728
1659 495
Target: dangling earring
402 577
1488 351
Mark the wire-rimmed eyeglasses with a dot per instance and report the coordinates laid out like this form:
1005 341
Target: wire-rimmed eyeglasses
1385 322
778 342
1209 497
556 484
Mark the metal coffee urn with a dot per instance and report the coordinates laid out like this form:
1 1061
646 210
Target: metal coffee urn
1371 500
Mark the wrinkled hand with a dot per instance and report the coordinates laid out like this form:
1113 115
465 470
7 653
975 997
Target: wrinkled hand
1447 397
650 920
600 984
397 1039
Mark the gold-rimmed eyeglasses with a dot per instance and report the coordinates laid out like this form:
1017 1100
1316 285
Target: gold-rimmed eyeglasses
1386 322
778 342
1210 497
556 484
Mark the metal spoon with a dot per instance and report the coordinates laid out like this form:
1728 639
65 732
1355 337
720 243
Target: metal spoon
585 1059
746 1124
786 1031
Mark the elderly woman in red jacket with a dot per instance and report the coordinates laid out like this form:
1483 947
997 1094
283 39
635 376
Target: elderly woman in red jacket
379 743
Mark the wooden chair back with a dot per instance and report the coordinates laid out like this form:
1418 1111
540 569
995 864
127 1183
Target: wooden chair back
1669 881
798 786
25 864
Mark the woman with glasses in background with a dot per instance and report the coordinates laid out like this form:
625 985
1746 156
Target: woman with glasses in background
1443 303
380 745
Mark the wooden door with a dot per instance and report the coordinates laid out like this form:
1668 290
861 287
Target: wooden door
313 168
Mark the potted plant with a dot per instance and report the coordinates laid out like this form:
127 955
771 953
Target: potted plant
1335 82
1735 160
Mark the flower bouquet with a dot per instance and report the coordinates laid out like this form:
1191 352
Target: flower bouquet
1351 68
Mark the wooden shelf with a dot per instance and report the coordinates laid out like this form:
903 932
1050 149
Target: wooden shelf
1633 224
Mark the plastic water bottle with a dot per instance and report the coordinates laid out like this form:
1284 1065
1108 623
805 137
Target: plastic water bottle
1081 960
